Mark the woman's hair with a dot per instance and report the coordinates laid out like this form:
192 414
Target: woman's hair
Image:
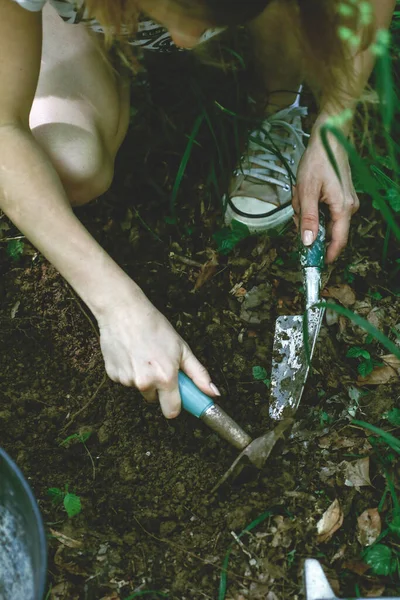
223 13
120 16
314 23
328 61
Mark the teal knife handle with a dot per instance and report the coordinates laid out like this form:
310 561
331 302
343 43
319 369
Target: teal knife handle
314 255
193 400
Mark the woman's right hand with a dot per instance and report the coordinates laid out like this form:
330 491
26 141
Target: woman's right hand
142 349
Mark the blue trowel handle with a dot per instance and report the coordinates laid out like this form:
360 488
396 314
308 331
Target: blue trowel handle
193 400
314 255
200 405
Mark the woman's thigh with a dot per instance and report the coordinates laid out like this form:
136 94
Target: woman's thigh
80 113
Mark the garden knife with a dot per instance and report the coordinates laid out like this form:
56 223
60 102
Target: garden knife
290 358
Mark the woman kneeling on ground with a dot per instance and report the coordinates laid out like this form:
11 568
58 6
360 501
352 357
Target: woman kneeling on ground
64 113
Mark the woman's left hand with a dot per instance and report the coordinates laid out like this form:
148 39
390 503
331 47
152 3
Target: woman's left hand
317 182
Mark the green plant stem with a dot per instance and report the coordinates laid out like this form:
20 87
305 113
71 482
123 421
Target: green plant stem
365 175
390 440
378 335
223 578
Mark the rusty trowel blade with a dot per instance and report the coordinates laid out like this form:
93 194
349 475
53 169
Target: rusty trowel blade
289 361
257 451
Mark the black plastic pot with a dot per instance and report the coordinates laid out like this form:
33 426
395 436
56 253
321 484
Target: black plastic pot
23 551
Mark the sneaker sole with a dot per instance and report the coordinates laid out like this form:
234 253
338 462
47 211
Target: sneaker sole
258 224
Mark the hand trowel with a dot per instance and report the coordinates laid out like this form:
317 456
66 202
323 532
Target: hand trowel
296 335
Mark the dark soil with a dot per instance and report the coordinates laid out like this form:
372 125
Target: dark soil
148 520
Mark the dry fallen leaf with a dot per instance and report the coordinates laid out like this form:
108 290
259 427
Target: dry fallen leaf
15 308
369 526
207 271
65 540
375 591
364 266
60 591
377 317
356 566
341 292
336 441
331 521
339 554
282 537
379 376
331 316
392 361
356 473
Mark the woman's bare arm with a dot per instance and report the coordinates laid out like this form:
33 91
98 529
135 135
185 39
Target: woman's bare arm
139 345
31 193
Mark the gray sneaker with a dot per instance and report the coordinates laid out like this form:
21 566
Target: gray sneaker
261 189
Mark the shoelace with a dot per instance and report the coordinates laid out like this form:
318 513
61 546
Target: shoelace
261 161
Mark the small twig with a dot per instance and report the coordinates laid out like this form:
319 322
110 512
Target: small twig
91 460
243 547
186 261
11 239
187 552
88 403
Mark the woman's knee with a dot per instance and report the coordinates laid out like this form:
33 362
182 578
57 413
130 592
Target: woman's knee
80 158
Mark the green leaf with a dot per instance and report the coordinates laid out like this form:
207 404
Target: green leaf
15 249
389 439
380 558
375 295
290 557
228 237
260 373
378 335
72 504
365 367
393 416
70 438
56 494
348 276
76 437
324 418
393 198
357 352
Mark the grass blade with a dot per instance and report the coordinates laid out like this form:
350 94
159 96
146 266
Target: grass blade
185 159
378 335
364 174
224 573
389 439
